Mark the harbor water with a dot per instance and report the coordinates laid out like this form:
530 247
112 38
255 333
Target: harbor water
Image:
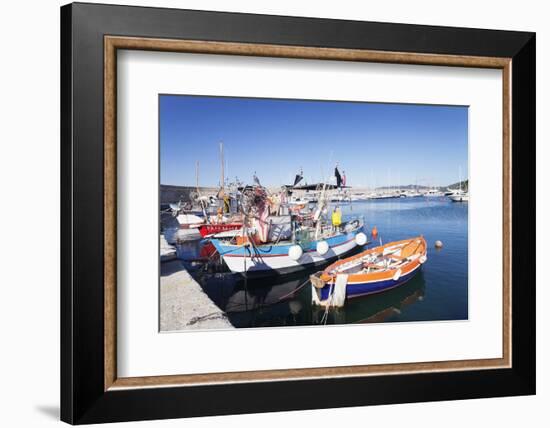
438 292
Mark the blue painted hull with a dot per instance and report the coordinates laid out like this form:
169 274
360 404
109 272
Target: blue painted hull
281 249
275 258
366 288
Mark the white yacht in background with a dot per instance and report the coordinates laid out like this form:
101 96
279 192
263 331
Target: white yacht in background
433 193
412 193
340 197
382 195
450 192
298 201
358 197
460 196
311 197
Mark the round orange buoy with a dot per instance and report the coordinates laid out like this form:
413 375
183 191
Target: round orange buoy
374 232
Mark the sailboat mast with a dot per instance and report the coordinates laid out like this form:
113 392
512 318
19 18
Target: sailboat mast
197 176
222 177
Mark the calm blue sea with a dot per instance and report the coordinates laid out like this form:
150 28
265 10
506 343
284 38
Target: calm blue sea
438 292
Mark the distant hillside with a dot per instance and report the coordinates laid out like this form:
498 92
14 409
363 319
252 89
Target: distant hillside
403 187
457 185
422 187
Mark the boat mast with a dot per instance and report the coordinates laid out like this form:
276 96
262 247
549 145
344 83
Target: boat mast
222 176
321 202
197 177
201 201
320 207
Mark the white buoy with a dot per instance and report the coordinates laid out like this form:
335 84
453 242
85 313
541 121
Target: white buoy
422 259
322 247
438 244
360 239
295 252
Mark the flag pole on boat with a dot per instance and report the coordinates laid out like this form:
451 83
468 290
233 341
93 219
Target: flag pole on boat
197 178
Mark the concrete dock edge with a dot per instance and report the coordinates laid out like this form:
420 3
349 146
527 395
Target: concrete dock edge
183 303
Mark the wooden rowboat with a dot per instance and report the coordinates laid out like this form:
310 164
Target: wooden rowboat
372 271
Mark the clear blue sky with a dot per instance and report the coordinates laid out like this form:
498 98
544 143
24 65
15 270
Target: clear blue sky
375 144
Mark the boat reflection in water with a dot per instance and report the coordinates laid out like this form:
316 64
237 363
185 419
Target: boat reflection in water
381 307
285 300
264 302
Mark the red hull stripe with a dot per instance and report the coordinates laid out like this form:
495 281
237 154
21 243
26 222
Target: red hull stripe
209 229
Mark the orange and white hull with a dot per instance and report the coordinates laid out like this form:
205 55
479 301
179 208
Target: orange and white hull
373 271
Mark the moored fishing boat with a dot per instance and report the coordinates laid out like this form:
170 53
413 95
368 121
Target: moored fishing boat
279 237
245 255
372 271
184 228
433 193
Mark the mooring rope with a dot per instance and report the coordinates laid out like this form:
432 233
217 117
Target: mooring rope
275 302
294 291
210 316
324 318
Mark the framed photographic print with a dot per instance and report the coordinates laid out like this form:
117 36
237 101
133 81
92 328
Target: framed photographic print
258 207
